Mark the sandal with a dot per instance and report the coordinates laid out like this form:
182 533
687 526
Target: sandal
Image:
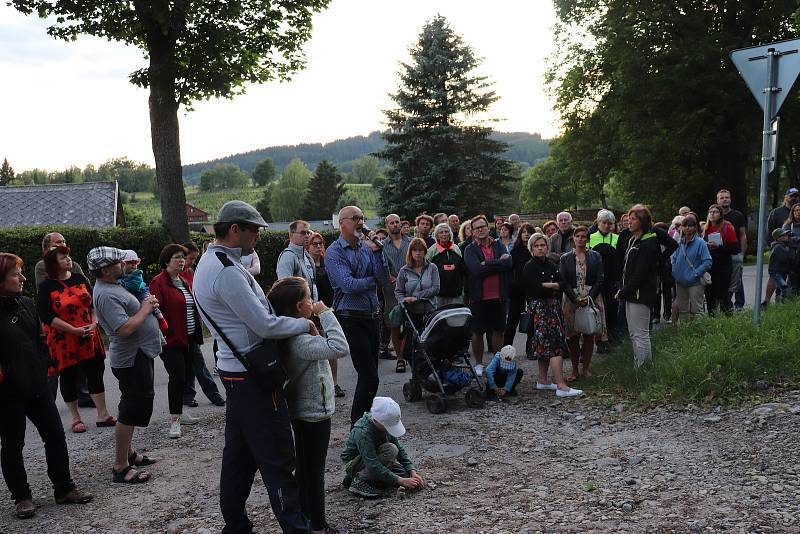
400 367
108 421
571 378
138 478
78 427
145 461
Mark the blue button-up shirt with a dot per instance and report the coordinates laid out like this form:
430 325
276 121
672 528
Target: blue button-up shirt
354 274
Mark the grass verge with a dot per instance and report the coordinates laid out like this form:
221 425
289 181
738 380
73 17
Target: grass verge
712 359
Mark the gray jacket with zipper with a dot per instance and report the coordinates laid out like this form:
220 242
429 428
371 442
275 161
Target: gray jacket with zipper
309 391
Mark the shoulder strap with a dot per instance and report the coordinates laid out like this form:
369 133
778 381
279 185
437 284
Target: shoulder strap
686 255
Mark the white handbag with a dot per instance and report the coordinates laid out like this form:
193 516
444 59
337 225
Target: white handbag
587 319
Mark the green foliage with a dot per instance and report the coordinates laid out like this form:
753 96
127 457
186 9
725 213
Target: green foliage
711 358
264 172
550 185
6 173
364 196
366 170
31 177
649 99
70 175
439 154
324 191
289 193
131 176
223 176
263 205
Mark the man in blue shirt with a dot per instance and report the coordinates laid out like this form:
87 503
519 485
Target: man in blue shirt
357 269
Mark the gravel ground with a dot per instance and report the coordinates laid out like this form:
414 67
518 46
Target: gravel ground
531 464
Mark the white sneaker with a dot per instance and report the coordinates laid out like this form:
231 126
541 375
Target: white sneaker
549 386
188 419
479 370
569 393
174 430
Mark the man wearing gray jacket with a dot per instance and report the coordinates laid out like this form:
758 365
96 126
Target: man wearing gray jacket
258 432
295 261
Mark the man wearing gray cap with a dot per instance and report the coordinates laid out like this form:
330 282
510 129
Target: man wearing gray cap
258 433
135 340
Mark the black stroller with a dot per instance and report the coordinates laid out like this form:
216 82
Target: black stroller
442 345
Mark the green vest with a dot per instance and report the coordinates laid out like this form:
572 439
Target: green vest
598 239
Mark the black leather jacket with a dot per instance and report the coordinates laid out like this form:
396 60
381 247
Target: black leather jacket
23 354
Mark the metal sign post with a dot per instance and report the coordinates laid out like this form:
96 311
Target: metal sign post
769 71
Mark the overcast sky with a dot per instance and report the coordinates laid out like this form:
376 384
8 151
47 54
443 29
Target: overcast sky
71 103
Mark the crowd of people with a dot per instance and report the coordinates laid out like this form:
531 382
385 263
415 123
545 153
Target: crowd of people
573 290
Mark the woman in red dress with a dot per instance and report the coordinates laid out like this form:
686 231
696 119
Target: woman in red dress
70 327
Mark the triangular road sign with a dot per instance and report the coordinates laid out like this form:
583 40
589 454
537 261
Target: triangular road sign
752 66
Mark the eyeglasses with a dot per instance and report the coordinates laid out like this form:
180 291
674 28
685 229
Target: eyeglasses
317 244
354 218
178 257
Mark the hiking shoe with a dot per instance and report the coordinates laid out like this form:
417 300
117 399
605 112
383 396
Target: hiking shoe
549 386
386 355
75 496
24 509
569 393
479 369
217 400
191 403
187 419
174 430
347 481
364 489
338 391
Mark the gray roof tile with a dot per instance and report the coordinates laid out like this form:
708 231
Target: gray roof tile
91 204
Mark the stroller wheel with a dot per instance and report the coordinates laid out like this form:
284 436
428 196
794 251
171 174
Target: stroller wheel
475 398
412 391
436 404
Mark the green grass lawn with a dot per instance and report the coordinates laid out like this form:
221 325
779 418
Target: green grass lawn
712 359
211 201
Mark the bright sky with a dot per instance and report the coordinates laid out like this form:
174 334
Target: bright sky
71 103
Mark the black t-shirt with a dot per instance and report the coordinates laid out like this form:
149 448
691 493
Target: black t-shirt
737 219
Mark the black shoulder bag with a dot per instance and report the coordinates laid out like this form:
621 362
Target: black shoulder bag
262 362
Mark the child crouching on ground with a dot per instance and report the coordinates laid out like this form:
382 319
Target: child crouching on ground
373 458
502 373
133 280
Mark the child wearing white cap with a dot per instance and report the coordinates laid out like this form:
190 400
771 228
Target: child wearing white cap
503 374
374 457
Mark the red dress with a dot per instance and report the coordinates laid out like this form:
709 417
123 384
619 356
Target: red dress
71 301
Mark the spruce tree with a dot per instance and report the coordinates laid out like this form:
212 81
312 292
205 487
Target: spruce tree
441 157
6 173
324 191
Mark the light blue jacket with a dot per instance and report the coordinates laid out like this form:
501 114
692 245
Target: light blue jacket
491 370
695 252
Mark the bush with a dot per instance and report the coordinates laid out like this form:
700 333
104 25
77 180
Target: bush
715 359
147 241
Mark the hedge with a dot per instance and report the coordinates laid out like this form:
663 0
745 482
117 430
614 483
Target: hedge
147 241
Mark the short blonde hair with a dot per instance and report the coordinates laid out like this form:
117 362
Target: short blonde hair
536 237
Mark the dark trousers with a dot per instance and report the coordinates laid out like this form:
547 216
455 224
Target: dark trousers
42 411
717 293
83 392
500 377
362 336
204 378
178 363
664 293
612 311
516 306
90 370
311 448
408 336
258 436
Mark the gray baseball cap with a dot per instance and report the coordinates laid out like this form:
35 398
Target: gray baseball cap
240 211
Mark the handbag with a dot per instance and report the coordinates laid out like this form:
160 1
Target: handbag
396 315
587 319
525 319
262 362
705 280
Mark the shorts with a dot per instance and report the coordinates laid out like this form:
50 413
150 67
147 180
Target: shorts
389 302
136 391
488 316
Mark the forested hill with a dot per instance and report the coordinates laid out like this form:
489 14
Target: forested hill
526 148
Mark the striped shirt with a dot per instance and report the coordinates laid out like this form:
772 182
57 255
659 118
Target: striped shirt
395 257
190 323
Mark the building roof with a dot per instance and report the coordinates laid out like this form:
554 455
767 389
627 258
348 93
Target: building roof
90 205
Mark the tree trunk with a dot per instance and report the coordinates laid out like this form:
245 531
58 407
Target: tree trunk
164 130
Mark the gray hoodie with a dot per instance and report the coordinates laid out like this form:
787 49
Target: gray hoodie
309 390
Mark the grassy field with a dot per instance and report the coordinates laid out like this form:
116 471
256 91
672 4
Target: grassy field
149 208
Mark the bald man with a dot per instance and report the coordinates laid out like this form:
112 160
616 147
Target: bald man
357 270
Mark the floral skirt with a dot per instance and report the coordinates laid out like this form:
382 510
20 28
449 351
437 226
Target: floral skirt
569 316
546 338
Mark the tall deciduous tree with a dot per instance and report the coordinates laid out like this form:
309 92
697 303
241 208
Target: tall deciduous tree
263 205
441 155
366 170
289 192
196 50
223 176
264 171
6 173
324 191
650 100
